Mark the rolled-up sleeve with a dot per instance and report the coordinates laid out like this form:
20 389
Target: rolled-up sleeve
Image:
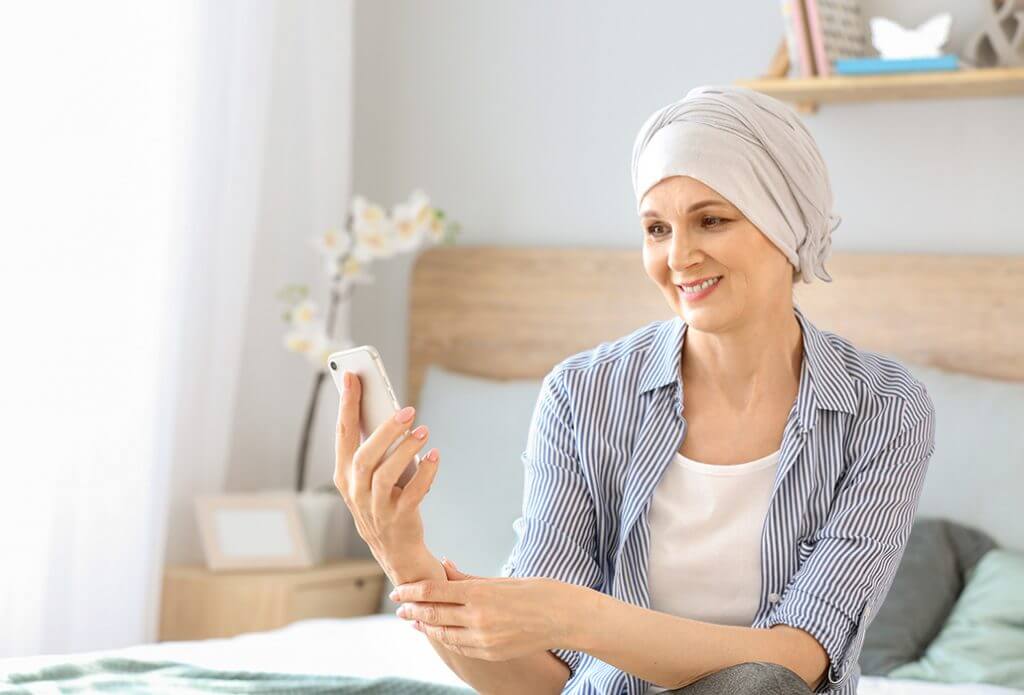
856 552
556 534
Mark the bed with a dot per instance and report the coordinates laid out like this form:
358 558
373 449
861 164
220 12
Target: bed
368 648
487 318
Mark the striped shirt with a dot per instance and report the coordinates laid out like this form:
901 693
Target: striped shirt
854 452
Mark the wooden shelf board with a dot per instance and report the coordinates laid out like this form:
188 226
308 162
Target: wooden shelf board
980 82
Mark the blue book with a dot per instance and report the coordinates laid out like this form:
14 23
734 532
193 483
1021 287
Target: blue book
866 66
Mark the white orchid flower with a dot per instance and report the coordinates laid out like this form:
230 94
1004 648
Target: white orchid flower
408 231
333 242
317 348
354 272
376 240
373 231
365 212
435 230
427 222
370 234
416 222
301 341
304 313
347 271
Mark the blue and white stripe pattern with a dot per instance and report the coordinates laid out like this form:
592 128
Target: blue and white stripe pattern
854 453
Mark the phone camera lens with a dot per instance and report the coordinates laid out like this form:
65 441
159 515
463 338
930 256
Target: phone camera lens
334 366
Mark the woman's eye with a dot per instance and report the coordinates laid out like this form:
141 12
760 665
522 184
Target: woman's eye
652 229
712 217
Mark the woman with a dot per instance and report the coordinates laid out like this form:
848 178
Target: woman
741 548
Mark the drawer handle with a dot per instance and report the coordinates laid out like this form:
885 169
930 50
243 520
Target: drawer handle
359 582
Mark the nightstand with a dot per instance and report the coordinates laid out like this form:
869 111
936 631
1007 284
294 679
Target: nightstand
198 603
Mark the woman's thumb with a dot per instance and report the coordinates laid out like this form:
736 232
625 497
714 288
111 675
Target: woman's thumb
454 572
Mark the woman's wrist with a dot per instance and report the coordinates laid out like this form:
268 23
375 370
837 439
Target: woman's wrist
583 617
413 565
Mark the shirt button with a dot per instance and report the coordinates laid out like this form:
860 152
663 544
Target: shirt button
774 597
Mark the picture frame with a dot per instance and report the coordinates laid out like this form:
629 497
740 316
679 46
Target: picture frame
252 531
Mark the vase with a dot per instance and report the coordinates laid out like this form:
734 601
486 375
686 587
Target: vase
317 509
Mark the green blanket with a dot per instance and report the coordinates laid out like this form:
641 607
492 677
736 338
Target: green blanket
120 675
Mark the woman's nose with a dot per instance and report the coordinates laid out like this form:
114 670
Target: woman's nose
683 249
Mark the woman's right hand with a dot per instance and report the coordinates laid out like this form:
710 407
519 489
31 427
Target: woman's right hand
386 516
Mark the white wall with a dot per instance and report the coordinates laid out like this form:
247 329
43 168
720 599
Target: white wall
518 119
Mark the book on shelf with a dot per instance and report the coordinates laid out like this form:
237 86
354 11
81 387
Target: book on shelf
798 44
874 66
820 32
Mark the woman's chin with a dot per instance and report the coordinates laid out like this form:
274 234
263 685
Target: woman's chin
705 309
706 317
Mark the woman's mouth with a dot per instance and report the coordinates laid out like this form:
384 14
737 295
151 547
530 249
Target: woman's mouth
697 292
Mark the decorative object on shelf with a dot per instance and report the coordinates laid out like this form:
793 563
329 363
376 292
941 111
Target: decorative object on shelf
904 50
1001 41
253 531
874 66
893 41
913 78
369 234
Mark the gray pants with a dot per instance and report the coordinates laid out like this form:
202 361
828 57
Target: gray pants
751 678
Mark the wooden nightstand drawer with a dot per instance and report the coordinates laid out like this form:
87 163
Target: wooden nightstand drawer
199 604
339 599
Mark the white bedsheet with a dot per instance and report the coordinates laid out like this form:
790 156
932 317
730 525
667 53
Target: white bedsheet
370 646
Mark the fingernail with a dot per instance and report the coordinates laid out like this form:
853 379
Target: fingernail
393 595
346 380
420 432
433 455
444 560
405 414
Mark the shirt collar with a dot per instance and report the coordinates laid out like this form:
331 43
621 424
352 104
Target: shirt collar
829 385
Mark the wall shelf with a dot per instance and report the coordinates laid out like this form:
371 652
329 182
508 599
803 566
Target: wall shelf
808 92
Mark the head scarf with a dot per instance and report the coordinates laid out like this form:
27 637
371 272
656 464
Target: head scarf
756 152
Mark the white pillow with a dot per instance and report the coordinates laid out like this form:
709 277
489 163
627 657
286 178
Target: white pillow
976 475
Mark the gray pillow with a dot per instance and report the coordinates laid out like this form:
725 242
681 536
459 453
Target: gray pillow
480 427
927 584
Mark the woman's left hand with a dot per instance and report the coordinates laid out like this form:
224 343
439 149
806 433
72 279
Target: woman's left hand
494 619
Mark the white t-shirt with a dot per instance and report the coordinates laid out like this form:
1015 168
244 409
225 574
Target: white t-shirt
705 549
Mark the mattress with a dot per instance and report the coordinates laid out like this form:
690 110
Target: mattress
368 646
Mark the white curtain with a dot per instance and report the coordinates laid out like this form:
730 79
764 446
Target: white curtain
131 163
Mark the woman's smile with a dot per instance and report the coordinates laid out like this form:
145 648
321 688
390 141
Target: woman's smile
697 292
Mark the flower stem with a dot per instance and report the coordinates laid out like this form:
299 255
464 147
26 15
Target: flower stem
336 298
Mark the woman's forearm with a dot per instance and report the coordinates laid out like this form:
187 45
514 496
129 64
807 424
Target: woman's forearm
540 672
673 652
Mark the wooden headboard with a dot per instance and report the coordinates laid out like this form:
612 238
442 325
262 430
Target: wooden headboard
513 312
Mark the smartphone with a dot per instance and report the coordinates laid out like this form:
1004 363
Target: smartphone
378 401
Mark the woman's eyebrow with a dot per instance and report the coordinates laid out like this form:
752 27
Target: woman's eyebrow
695 206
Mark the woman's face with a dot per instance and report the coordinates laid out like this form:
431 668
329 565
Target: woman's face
692 233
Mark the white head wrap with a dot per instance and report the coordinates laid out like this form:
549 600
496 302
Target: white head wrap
756 152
